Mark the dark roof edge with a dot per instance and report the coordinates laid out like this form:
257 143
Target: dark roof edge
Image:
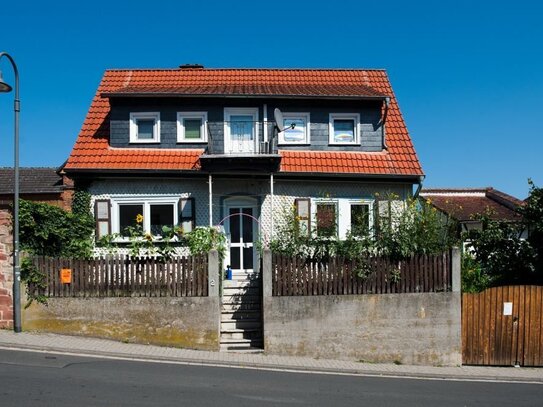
237 96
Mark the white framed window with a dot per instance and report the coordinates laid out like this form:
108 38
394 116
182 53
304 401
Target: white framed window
145 127
297 134
191 127
241 133
357 218
341 216
149 213
344 129
326 218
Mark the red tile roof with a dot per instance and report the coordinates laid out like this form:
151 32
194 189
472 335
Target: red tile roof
464 204
92 152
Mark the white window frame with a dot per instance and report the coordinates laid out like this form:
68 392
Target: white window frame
146 201
242 111
181 116
344 116
293 115
343 214
134 117
314 205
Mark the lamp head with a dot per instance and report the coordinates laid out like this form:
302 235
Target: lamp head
4 87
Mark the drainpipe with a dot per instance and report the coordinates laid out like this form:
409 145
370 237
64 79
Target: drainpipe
383 121
265 123
210 182
271 205
419 187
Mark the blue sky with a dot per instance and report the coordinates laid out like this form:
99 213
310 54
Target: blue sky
468 75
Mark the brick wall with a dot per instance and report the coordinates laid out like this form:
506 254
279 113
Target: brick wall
6 270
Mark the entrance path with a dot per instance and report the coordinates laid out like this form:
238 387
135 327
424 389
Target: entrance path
84 346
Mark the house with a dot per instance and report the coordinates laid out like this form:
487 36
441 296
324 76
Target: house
39 184
194 146
464 204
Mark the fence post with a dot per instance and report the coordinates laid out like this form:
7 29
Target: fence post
455 270
213 273
267 273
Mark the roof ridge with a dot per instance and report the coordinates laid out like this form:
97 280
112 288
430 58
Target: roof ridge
244 69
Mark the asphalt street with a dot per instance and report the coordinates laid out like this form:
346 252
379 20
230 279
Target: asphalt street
41 379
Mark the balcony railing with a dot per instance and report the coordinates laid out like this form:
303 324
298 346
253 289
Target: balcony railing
241 138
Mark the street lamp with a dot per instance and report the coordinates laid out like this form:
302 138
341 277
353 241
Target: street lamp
5 88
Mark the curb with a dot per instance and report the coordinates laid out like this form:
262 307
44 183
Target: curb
270 367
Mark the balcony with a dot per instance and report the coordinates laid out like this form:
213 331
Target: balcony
241 145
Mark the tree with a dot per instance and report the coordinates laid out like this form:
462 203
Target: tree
503 255
532 215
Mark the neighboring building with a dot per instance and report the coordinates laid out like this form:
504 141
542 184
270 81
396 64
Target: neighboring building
199 147
37 184
464 204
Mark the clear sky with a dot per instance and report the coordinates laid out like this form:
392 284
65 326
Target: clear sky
468 74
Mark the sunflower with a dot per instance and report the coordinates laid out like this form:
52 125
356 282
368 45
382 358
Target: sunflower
139 218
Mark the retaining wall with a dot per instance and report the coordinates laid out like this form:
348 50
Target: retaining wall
186 322
423 329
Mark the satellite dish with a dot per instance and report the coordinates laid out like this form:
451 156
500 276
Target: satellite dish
279 121
278 117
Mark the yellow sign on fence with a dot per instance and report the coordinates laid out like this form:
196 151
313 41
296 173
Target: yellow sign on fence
66 276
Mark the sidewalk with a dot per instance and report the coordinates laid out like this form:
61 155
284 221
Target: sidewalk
103 347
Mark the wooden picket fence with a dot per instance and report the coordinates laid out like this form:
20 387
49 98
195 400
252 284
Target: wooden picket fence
293 276
121 276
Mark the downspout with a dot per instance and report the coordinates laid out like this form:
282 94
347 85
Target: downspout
271 206
210 182
265 123
419 187
383 121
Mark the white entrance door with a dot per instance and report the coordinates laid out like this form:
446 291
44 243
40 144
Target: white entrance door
240 133
241 231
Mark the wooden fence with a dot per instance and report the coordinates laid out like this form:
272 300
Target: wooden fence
374 275
120 276
503 326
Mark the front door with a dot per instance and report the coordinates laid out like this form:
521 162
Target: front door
240 130
241 231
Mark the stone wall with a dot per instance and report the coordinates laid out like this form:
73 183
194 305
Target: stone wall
186 322
6 270
423 329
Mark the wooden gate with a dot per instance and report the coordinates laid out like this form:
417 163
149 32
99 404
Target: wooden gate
503 326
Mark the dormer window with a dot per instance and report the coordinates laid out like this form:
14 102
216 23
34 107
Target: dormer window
296 129
145 127
191 127
344 128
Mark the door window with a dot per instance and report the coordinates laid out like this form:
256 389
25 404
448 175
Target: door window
241 238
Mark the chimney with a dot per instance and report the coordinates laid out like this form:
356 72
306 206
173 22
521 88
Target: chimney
191 66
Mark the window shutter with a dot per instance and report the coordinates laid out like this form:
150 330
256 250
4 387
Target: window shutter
303 215
102 216
187 214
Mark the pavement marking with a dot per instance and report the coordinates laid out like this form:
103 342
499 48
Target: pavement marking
285 369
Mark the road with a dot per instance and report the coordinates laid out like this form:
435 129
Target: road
41 379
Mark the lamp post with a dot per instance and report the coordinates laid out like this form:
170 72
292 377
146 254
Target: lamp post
5 88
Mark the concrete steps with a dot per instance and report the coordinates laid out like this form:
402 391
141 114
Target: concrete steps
241 315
